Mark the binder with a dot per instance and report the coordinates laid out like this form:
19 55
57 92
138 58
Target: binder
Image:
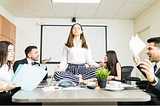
28 77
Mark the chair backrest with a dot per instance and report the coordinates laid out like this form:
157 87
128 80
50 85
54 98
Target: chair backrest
125 73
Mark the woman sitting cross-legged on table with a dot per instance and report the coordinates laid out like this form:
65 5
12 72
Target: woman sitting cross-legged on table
76 52
113 65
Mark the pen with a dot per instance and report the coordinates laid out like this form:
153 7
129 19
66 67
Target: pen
58 87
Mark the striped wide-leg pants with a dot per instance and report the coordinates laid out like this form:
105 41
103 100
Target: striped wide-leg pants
75 69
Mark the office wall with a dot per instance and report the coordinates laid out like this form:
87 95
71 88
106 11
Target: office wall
7 27
149 19
6 14
119 34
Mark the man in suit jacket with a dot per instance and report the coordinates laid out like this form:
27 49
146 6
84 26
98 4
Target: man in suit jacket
153 51
32 55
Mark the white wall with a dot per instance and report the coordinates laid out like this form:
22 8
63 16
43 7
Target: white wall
28 33
149 18
119 34
6 14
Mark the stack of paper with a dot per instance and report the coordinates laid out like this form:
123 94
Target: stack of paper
28 77
55 88
136 45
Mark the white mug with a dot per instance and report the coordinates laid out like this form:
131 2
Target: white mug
115 84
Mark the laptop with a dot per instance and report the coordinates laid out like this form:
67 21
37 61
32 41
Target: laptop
46 84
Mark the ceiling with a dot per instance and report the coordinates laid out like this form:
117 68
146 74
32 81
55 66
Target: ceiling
106 9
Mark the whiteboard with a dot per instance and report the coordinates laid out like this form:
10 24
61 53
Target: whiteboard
53 38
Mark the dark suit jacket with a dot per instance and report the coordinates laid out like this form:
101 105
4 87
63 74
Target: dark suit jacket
24 61
152 89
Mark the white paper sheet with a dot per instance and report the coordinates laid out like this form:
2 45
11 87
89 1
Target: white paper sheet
55 88
136 45
123 85
28 77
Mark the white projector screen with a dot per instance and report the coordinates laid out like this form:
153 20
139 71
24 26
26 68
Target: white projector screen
53 38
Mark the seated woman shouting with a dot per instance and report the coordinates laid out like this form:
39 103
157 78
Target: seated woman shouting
113 65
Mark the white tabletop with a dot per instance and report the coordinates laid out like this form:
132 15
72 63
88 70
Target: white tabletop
77 96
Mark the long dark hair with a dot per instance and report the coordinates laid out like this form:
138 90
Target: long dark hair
111 61
4 53
71 37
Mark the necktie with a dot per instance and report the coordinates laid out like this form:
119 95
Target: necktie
155 66
32 63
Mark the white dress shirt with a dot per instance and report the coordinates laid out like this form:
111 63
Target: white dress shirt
158 66
5 76
77 55
29 62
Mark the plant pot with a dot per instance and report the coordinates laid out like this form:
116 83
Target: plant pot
102 83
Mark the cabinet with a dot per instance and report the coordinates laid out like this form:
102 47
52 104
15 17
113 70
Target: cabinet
7 30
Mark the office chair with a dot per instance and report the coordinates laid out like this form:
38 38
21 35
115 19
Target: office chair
125 74
142 84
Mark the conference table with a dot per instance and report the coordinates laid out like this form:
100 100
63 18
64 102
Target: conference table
80 96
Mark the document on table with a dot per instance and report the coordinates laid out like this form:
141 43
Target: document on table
28 77
136 45
123 85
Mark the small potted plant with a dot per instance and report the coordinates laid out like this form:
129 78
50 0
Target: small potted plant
102 75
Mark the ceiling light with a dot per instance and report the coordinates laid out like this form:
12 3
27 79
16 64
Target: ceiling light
76 1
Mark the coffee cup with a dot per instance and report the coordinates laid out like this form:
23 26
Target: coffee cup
115 84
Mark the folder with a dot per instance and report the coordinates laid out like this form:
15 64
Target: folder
28 77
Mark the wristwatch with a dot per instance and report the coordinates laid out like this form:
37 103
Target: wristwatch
155 81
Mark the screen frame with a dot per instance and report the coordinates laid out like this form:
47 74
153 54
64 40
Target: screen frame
83 25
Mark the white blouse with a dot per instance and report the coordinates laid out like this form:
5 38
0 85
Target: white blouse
5 76
77 55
